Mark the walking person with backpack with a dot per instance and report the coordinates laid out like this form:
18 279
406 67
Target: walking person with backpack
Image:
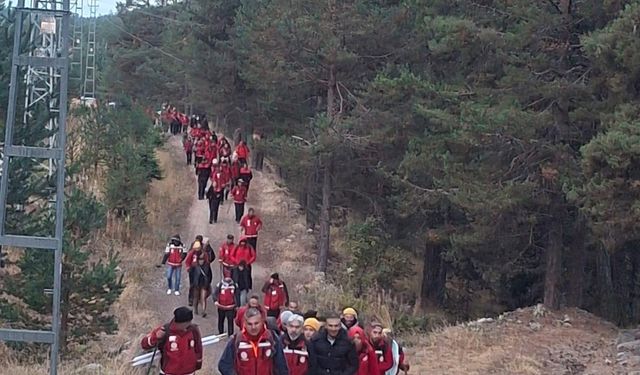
174 254
239 195
276 295
179 343
227 299
253 351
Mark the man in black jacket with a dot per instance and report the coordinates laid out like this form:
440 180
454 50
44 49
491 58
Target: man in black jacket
330 350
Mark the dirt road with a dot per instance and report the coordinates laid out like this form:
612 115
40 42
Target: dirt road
278 244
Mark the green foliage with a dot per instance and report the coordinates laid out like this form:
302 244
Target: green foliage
505 130
375 260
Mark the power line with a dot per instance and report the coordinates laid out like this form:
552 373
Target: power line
170 19
142 40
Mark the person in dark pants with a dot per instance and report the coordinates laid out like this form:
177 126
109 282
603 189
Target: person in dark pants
239 195
203 170
214 198
250 225
331 351
227 299
187 143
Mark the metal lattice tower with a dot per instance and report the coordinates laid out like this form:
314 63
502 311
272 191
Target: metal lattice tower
76 69
44 59
89 87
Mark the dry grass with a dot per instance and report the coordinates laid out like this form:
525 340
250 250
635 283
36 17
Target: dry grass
110 356
511 346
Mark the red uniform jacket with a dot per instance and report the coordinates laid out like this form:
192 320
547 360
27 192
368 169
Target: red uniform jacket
200 149
226 251
175 255
195 132
235 170
251 225
210 153
188 145
181 352
256 359
296 355
204 164
225 295
239 194
192 258
368 364
226 173
243 252
275 295
242 151
384 355
217 180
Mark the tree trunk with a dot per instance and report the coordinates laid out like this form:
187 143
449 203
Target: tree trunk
552 276
237 136
310 204
325 218
575 262
434 276
604 283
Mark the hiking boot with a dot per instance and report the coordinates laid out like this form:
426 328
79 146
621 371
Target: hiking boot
168 291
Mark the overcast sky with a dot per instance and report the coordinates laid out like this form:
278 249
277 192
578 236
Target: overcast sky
104 7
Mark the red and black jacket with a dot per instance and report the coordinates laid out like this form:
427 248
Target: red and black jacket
181 350
296 354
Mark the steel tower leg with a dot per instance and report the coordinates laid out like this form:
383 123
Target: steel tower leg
46 62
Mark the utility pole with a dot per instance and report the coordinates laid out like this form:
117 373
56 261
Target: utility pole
89 87
77 42
40 70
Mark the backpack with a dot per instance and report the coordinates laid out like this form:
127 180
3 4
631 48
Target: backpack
162 342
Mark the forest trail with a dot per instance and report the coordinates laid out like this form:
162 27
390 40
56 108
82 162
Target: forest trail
282 235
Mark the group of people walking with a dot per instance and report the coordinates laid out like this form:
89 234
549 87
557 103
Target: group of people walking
291 344
274 337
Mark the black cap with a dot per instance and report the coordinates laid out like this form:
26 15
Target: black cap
275 276
182 315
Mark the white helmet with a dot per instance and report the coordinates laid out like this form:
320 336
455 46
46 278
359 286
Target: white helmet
215 161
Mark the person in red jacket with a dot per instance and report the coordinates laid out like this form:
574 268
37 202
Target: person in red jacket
179 343
227 299
276 295
174 254
191 261
224 255
253 301
368 359
295 346
242 152
235 172
243 252
381 346
245 174
210 152
253 351
239 196
225 169
250 225
187 144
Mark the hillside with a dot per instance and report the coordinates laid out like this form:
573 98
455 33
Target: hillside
528 341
